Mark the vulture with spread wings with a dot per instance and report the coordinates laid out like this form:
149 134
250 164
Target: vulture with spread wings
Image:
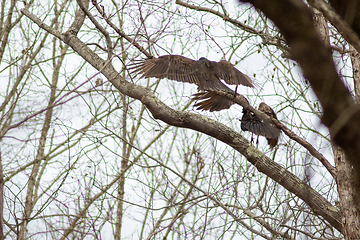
252 123
204 73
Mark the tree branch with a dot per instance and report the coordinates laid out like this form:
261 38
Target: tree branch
341 25
266 38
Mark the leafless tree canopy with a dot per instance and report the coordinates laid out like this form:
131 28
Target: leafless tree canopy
98 142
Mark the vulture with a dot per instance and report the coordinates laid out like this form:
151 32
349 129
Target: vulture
204 73
249 122
252 123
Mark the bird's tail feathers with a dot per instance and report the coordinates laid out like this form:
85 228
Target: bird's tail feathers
272 141
211 101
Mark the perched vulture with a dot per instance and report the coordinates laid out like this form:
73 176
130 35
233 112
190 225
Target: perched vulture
252 123
249 122
204 73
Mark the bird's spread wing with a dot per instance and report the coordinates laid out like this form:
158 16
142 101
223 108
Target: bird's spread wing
173 67
225 70
252 123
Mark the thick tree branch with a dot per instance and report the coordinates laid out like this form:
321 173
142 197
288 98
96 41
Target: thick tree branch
2 236
79 18
340 24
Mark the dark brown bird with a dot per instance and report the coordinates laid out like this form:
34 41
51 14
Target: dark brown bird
204 73
252 123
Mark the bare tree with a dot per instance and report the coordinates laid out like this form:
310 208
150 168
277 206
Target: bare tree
90 150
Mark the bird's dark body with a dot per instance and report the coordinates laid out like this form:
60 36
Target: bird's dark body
252 123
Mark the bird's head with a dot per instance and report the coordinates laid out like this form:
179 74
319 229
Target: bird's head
205 60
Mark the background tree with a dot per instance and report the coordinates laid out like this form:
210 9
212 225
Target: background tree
89 150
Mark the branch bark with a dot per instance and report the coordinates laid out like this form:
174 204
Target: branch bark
2 236
346 31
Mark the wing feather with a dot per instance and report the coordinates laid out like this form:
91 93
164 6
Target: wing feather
225 70
173 67
251 122
204 73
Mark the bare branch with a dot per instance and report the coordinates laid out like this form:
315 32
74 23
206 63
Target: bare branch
120 32
340 24
267 39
